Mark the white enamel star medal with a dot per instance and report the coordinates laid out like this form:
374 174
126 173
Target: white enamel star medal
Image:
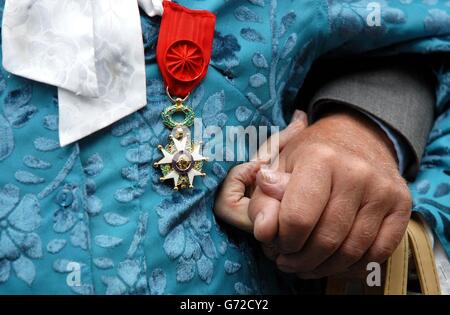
183 54
182 160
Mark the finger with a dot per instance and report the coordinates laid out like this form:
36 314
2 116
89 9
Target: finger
360 238
263 209
275 144
333 227
263 212
270 250
346 274
303 203
363 233
231 204
389 236
272 183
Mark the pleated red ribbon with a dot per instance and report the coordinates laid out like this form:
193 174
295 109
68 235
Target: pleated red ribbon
184 47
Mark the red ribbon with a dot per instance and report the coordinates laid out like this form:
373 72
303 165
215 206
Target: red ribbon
184 47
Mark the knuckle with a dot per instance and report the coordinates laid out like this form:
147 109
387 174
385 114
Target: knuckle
383 252
380 205
328 243
383 193
396 191
360 167
340 216
295 219
385 187
351 253
402 204
324 152
367 234
236 171
405 197
358 171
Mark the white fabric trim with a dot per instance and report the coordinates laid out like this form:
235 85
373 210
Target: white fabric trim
92 50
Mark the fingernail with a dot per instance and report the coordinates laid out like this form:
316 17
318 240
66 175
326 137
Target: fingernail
265 166
263 163
298 116
268 176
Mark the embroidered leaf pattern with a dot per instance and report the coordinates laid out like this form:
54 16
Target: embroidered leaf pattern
6 138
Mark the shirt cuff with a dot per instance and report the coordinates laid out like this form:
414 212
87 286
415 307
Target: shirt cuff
401 148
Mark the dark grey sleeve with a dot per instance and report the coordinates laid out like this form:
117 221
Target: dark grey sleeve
399 92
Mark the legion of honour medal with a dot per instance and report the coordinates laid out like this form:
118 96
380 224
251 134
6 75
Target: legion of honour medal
183 55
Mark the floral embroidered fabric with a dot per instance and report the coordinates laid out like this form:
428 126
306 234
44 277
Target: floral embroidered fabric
97 208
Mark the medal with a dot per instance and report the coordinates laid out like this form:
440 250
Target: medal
183 54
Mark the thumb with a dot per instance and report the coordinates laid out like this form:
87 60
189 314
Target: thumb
267 152
267 199
231 203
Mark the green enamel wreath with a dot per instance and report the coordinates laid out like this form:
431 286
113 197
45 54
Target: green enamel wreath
168 120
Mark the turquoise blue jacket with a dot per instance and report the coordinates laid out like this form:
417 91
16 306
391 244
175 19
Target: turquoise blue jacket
93 217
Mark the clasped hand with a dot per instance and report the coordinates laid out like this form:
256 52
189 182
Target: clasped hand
334 202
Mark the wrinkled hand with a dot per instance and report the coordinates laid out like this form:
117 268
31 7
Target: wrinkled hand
336 202
232 202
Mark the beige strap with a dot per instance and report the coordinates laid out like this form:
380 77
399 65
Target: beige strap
397 270
396 274
416 240
423 257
